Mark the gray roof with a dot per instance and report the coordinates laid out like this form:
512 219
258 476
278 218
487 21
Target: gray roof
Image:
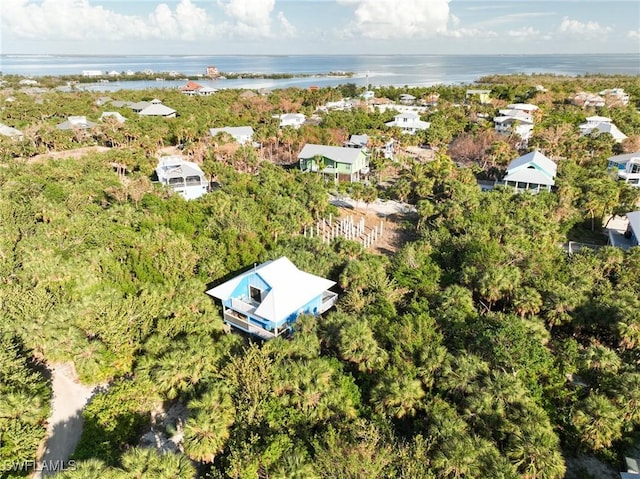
157 109
9 131
176 167
76 122
634 222
121 103
138 106
358 140
621 159
233 131
338 154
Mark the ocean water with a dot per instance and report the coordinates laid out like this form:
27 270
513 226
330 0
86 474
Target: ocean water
376 70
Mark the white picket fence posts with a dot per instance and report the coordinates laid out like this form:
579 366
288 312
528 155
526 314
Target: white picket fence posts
328 230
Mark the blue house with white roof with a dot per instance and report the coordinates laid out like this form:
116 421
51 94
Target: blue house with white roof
266 300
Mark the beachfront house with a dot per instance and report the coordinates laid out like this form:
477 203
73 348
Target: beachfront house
336 162
76 123
183 177
407 99
241 134
409 122
195 89
532 172
514 121
601 124
191 88
294 120
152 108
266 300
627 167
357 141
614 97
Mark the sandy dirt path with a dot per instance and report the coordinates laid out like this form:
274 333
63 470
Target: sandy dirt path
65 423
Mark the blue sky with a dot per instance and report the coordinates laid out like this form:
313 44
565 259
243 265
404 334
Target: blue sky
319 26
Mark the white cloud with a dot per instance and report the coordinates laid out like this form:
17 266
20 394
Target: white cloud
288 30
524 33
79 20
470 33
393 19
586 30
249 17
633 34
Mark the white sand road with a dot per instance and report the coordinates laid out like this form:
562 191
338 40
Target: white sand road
65 423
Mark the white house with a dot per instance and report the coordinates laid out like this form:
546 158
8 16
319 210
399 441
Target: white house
408 122
241 134
615 97
514 120
407 99
601 124
627 167
295 120
76 123
532 172
153 108
91 73
367 95
184 177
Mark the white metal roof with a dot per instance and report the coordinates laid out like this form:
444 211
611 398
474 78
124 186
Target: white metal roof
157 109
290 288
338 154
176 167
534 157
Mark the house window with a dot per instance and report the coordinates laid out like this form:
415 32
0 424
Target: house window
193 180
176 181
255 294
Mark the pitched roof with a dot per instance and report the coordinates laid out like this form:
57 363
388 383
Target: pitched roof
113 114
157 109
290 288
79 122
538 159
634 222
620 159
191 86
9 131
176 167
358 140
339 154
233 131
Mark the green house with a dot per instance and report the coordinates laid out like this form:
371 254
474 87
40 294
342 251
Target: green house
336 162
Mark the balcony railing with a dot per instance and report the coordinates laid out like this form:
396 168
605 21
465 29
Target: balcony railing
329 298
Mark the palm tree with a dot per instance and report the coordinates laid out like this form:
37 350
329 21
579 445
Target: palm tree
140 463
207 429
399 395
535 450
599 421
